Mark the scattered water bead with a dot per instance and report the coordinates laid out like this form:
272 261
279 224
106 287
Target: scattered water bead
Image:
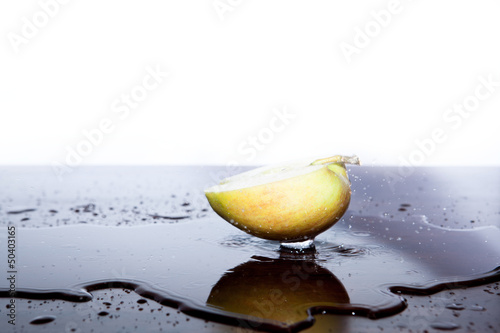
40 320
477 308
453 306
444 326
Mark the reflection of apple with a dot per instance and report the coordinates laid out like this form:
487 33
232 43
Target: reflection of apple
277 289
290 203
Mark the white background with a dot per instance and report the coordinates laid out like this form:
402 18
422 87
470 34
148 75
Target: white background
231 65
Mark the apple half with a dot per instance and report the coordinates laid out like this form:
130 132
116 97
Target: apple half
290 203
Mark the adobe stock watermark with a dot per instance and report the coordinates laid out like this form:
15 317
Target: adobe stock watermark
290 280
223 7
379 21
453 118
249 148
121 107
31 26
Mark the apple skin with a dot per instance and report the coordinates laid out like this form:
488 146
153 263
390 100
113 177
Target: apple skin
290 210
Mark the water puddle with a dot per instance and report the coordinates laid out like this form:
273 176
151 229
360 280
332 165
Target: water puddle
363 266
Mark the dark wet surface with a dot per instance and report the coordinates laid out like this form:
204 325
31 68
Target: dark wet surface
140 248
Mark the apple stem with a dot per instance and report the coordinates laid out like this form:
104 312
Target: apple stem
338 159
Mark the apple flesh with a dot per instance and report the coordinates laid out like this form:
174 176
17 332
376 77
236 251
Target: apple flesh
289 203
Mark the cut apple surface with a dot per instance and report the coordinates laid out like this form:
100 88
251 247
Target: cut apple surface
290 202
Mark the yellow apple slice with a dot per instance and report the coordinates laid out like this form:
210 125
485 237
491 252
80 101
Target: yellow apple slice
291 202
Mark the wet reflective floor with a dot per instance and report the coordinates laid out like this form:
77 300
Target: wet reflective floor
139 249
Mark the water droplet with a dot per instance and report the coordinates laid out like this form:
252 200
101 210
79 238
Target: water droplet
361 234
454 306
477 308
42 320
445 326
